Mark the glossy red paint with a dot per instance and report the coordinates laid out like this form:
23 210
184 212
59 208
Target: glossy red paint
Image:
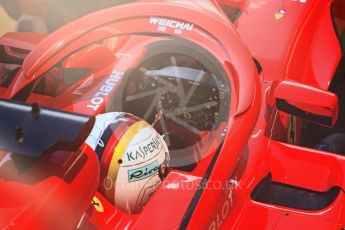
299 49
22 40
47 191
290 91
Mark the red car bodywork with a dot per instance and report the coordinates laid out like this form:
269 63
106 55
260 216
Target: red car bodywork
300 46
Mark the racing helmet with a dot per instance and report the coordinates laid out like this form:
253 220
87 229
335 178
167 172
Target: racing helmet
133 157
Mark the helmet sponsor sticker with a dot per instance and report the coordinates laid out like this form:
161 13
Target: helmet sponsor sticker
143 172
101 143
143 151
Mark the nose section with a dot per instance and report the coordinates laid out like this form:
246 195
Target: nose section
46 173
38 193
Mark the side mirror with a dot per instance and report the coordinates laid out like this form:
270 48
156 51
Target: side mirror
15 46
306 102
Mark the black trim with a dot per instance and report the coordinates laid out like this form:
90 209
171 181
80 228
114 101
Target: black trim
21 51
9 59
271 192
24 93
335 27
30 130
192 205
258 65
7 78
312 117
339 74
231 12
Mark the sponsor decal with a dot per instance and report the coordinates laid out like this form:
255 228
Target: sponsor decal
105 90
100 143
163 24
143 151
143 172
300 1
222 213
280 14
97 204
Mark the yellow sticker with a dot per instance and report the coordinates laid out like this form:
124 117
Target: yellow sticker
280 14
97 204
119 151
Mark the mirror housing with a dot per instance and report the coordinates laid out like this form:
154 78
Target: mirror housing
306 102
15 46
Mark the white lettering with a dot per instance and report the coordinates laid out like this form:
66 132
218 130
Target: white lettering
225 210
221 216
163 22
104 90
188 26
116 75
97 100
154 20
110 82
94 107
179 25
161 28
100 94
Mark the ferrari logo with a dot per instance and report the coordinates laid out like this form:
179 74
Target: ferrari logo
97 204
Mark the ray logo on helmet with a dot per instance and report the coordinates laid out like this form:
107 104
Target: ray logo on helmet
144 150
143 172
